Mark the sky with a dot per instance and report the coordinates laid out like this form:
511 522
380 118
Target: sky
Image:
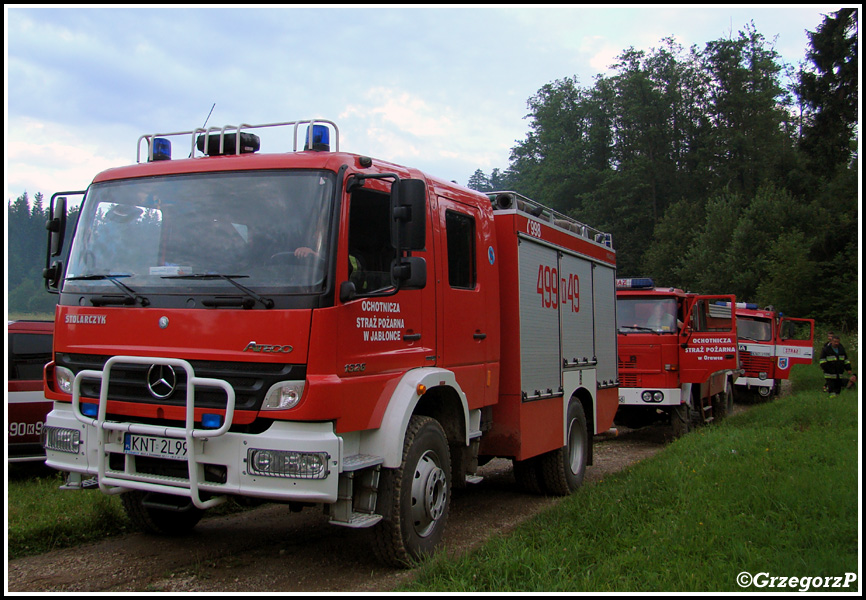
441 88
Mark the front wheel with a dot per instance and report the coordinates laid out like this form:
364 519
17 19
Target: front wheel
160 513
415 498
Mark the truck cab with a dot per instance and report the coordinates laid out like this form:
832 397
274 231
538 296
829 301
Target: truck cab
769 345
677 355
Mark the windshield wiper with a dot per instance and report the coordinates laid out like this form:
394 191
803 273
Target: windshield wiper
131 295
638 328
268 303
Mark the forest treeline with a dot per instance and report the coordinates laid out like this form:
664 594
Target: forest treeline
716 169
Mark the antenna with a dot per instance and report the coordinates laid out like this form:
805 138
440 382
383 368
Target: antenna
208 115
205 122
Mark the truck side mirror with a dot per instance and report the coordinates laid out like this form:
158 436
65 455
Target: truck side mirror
56 226
409 215
409 273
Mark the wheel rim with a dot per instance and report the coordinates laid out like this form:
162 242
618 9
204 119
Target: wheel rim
575 447
429 494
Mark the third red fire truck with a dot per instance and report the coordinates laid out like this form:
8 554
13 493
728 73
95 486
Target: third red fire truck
321 328
677 355
770 344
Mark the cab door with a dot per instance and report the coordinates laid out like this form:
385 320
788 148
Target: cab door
469 327
794 344
708 341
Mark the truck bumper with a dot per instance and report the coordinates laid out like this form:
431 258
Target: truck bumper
228 464
634 397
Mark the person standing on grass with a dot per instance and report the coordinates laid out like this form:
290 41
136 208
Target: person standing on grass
835 364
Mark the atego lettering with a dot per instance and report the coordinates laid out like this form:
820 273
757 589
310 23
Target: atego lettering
268 348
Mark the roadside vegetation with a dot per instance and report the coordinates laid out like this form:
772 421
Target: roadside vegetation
771 490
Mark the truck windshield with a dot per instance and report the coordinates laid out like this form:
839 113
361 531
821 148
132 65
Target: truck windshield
658 315
759 330
199 233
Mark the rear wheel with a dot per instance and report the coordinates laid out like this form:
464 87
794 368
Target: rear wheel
162 514
415 498
562 470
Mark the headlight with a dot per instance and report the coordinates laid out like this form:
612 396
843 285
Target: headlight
61 439
647 396
64 378
658 396
281 463
283 395
762 375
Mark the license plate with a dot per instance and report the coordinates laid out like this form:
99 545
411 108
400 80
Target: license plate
154 446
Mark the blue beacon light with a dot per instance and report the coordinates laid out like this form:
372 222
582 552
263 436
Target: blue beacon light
161 149
321 139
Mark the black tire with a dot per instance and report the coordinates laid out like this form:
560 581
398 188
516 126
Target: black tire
527 475
562 471
681 420
161 521
414 500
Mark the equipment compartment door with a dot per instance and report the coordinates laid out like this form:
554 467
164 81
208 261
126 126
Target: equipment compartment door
540 360
576 307
708 339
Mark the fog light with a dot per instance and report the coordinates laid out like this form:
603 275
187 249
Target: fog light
281 463
61 439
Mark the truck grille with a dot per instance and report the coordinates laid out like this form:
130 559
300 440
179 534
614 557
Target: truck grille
755 364
251 381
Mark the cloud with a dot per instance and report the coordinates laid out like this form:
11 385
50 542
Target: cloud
48 158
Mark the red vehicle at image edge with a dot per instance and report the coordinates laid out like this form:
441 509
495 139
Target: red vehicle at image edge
677 355
29 349
320 328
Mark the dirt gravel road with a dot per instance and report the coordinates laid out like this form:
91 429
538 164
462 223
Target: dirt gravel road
271 549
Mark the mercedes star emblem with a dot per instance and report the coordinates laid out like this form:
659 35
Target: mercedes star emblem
161 381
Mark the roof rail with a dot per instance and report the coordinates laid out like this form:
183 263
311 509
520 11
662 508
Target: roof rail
508 200
235 130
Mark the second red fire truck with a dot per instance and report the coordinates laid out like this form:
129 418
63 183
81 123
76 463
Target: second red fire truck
770 344
677 355
321 328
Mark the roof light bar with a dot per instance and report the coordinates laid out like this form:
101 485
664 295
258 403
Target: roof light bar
638 283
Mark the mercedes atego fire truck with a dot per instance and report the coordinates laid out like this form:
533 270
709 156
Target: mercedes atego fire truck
677 355
770 344
320 328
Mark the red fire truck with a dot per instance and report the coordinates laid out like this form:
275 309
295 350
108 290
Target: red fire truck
28 350
320 328
677 355
770 344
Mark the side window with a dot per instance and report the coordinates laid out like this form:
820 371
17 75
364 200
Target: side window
460 233
370 250
28 354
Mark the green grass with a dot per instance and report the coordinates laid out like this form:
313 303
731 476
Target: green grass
42 518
